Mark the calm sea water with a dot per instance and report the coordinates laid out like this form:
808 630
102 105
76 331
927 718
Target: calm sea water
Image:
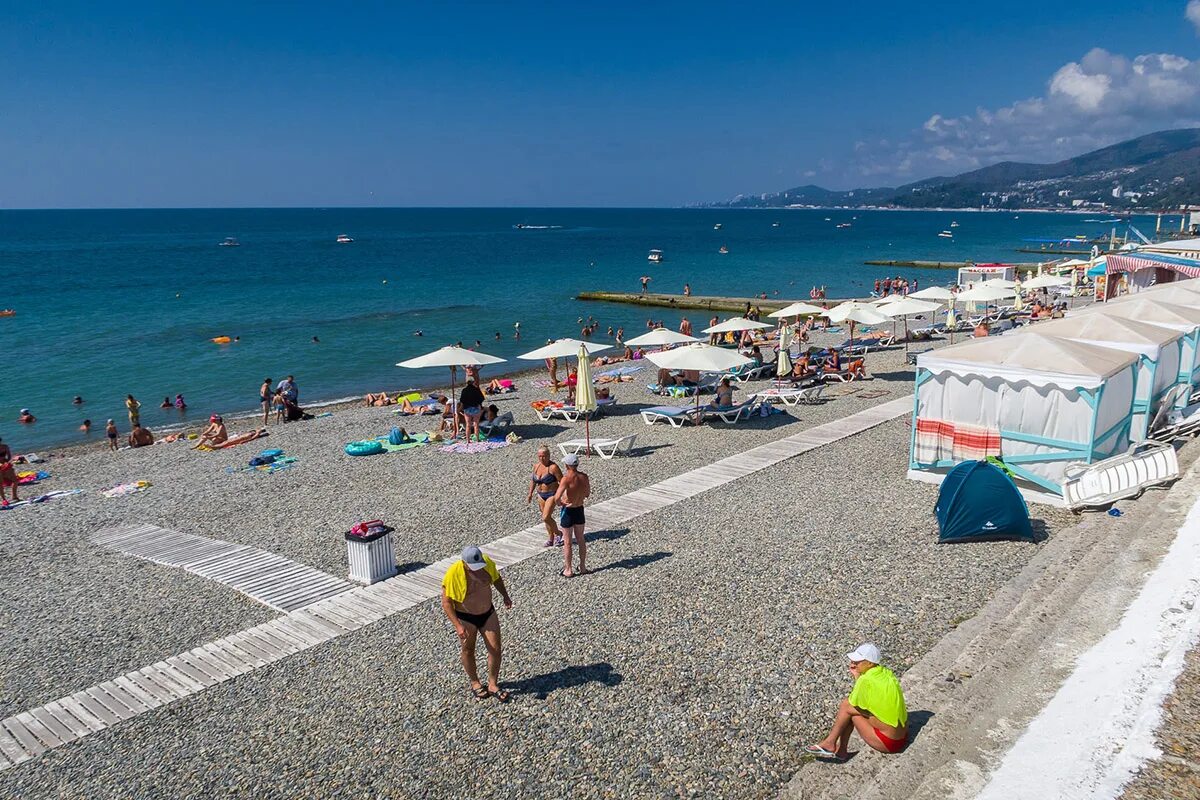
110 302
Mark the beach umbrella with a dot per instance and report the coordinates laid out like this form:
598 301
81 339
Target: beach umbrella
701 357
909 305
984 294
999 283
561 348
934 293
661 336
585 394
736 324
1045 282
853 311
451 356
797 310
783 364
887 299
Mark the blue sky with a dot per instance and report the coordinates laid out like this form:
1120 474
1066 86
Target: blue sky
625 104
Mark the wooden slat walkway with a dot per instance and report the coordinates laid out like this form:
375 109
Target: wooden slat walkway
26 735
271 579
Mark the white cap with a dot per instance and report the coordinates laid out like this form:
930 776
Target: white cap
472 556
571 461
865 652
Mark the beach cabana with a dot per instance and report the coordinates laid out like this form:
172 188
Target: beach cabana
1159 349
1149 309
1037 401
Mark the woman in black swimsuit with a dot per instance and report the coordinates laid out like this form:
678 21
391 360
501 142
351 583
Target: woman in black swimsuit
546 476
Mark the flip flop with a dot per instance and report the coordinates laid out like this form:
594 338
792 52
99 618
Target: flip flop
817 750
564 574
584 572
481 693
502 695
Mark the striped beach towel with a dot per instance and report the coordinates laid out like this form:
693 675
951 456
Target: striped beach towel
939 440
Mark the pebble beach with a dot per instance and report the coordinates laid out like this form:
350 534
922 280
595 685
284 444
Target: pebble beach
722 618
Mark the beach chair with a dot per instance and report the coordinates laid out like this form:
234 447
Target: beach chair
605 448
811 395
675 416
731 414
1171 421
1146 464
497 426
779 394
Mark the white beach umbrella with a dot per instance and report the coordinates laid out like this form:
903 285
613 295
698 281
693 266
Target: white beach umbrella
661 336
999 283
984 294
561 348
1045 281
701 357
451 356
853 311
585 393
909 305
934 293
797 310
736 324
887 299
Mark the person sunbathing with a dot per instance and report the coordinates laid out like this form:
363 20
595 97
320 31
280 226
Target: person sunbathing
724 398
380 399
834 364
802 368
875 708
215 434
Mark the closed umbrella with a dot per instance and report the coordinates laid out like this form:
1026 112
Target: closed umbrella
661 336
585 394
909 305
451 356
783 364
797 310
701 357
853 311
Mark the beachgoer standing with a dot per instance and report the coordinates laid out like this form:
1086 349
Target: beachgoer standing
470 401
685 327
552 368
467 602
687 290
134 408
712 337
110 430
264 399
574 488
875 708
546 476
645 283
8 475
180 403
620 336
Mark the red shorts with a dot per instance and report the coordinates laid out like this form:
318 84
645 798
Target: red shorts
891 745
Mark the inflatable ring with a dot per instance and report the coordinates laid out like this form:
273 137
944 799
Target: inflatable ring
368 448
221 340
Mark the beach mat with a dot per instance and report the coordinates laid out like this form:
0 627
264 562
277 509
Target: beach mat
474 448
126 489
42 498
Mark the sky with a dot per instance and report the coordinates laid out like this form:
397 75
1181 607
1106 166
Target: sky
564 104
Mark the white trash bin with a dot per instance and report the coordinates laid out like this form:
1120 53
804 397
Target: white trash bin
371 557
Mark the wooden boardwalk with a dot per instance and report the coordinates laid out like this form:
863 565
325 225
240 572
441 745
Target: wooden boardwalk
27 735
266 577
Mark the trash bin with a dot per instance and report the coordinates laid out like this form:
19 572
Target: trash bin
370 556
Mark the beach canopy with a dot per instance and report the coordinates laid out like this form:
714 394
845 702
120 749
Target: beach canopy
978 502
661 336
736 324
1045 281
1112 331
1030 357
797 310
562 348
1146 308
933 293
699 356
450 356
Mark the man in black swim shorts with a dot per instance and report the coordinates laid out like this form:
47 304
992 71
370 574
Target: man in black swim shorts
573 489
467 601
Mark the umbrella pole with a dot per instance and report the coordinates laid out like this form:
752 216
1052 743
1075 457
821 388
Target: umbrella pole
906 336
453 405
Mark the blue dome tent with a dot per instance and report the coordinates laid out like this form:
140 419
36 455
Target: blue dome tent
979 502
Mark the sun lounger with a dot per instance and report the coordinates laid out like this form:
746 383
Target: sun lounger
676 416
789 395
497 426
731 414
1145 464
605 448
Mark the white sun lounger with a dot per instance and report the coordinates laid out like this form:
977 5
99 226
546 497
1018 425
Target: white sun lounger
676 416
500 424
605 448
732 414
790 396
1145 464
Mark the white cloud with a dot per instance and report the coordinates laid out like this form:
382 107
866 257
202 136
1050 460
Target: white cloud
1100 99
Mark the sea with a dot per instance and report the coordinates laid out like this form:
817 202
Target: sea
110 302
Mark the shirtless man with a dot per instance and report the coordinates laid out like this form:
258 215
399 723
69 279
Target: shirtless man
573 489
467 601
140 437
8 475
214 434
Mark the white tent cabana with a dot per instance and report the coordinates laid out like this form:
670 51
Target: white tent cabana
1149 309
1048 402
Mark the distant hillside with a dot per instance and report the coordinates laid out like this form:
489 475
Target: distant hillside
1159 170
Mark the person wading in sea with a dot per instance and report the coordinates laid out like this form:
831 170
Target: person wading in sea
573 489
467 601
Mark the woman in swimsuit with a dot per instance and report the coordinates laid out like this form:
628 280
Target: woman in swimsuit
546 476
214 434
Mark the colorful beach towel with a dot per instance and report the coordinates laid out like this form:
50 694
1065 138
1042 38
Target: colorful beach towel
418 440
472 448
27 478
939 440
541 383
126 489
278 465
42 498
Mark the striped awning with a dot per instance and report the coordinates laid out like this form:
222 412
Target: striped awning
1133 263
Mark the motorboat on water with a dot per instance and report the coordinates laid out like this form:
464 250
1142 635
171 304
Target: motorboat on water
723 250
843 224
344 239
656 256
945 235
774 224
717 227
230 242
8 312
953 224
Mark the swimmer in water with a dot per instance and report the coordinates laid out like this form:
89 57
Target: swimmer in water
316 340
418 333
86 427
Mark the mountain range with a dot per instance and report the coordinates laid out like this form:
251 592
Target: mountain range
1156 171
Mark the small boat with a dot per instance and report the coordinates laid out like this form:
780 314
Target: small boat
843 224
717 227
774 224
953 224
8 312
344 239
945 235
230 242
723 250
656 256
827 219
